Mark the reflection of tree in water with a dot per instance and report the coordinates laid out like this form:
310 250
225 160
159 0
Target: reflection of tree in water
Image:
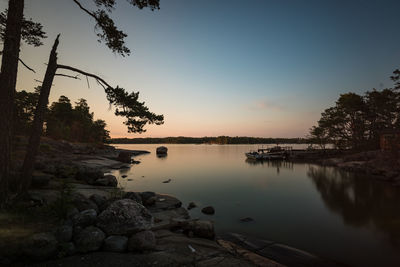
360 200
278 164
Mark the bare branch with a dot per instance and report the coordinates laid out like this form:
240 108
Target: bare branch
87 80
68 76
87 11
100 80
26 66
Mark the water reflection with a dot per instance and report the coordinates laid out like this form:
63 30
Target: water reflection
360 200
278 164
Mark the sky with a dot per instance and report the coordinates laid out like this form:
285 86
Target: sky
262 68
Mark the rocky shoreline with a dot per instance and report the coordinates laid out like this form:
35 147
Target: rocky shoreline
376 164
102 225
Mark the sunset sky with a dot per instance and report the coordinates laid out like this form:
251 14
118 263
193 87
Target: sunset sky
239 68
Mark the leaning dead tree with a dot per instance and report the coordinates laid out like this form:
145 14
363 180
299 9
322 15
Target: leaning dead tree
127 105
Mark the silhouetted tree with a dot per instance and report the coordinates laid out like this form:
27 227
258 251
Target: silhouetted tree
12 27
136 113
357 121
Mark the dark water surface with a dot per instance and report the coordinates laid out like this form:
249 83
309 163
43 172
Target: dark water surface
345 217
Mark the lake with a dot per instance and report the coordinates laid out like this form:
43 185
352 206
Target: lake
337 215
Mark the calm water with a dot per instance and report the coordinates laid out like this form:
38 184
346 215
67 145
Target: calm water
334 214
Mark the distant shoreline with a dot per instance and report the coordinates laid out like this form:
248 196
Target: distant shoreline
222 140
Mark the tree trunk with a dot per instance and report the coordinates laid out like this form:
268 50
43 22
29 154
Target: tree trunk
37 127
8 80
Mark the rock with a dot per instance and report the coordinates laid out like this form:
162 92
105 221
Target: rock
147 195
99 200
112 180
150 201
208 210
40 179
247 219
85 218
134 196
115 243
108 180
141 241
191 205
83 203
164 202
41 246
89 175
125 157
63 233
167 181
200 228
123 217
72 212
89 239
161 150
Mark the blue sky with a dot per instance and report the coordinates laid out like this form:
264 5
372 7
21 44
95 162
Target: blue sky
256 68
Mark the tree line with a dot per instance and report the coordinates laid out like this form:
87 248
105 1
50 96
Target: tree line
357 121
62 120
221 140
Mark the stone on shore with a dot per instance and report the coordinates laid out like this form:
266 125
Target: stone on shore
107 180
82 203
208 210
85 218
124 217
89 239
200 228
191 205
134 196
125 157
115 243
63 233
142 241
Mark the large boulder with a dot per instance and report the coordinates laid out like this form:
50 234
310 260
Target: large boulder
89 239
63 233
83 203
146 195
134 196
85 218
107 180
99 200
115 243
41 246
125 157
124 217
208 210
162 150
142 241
200 228
89 175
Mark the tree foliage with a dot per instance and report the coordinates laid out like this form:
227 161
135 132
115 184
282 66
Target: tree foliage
136 113
357 121
32 32
74 123
105 27
63 121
